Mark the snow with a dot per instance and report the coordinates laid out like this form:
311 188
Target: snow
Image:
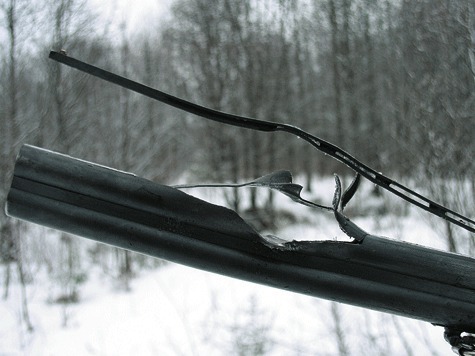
177 310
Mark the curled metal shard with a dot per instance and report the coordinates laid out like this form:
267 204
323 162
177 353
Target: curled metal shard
350 191
279 180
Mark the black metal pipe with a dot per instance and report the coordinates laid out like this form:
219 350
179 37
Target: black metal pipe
133 213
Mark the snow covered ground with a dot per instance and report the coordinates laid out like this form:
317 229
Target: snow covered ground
176 310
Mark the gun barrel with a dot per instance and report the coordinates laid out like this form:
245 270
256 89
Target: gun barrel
123 210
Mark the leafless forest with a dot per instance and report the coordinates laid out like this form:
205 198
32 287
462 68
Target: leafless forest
391 81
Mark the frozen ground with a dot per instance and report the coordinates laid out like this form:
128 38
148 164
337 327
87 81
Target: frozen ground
176 310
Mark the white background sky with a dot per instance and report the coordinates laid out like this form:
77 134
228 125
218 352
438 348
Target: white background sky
137 14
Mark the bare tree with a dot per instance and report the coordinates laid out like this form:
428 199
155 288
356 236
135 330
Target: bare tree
335 55
338 330
440 82
11 125
61 127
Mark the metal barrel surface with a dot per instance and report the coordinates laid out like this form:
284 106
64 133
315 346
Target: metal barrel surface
123 210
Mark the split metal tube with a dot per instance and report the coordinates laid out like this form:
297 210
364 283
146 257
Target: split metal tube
130 212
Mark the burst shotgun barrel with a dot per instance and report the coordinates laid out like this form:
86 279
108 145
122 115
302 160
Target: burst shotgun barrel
123 210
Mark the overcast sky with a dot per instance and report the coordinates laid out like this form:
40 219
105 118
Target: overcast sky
137 14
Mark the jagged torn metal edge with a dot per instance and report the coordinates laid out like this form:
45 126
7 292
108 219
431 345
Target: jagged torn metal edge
279 180
282 182
350 191
346 225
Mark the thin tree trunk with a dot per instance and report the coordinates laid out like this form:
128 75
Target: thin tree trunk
338 330
339 124
21 275
7 281
349 79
